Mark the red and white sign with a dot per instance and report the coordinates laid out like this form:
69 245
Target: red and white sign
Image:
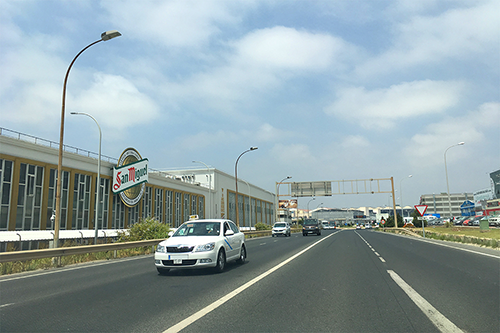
421 209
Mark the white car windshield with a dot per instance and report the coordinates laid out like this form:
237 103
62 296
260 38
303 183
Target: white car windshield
198 229
279 225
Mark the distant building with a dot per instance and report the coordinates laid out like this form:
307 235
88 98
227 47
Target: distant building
438 204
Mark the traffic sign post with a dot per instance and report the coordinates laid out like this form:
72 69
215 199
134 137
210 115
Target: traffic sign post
421 210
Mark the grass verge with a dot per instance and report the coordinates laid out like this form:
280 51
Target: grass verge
47 263
466 235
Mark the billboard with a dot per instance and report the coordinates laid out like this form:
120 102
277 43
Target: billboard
287 204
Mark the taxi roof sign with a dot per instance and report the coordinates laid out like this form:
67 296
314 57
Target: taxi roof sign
421 209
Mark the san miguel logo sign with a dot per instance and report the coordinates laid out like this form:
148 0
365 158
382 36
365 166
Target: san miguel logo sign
130 177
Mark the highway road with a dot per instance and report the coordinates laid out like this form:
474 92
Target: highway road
341 281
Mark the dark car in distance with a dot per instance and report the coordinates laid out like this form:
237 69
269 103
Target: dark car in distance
311 226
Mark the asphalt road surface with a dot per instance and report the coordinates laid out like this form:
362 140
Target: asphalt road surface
341 281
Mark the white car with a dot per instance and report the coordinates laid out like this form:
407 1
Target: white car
201 244
281 228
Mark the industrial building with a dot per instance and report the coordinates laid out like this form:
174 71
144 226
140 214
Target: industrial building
28 176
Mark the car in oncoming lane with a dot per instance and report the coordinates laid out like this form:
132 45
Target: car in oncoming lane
201 244
281 228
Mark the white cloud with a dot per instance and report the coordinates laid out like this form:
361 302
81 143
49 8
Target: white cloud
173 24
381 108
428 147
353 142
289 49
262 62
456 34
115 102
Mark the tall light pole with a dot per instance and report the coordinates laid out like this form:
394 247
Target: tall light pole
278 196
446 171
236 180
308 214
401 195
209 189
104 37
98 188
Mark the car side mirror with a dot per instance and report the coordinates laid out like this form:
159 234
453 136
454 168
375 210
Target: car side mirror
229 233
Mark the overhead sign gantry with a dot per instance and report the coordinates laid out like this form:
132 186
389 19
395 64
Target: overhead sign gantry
341 187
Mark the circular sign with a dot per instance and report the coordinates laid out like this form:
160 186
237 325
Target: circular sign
132 195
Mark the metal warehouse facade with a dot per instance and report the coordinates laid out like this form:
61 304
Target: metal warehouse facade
28 177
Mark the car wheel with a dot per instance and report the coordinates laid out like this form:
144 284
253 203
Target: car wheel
162 271
243 255
221 261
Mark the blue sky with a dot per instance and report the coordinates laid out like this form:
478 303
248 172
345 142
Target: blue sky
328 90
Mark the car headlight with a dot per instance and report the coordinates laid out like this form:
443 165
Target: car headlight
205 247
160 248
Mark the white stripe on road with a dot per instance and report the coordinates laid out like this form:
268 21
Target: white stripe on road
440 321
191 319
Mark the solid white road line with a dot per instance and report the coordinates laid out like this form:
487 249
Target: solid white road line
191 319
440 321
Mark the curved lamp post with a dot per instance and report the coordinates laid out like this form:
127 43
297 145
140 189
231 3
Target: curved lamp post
236 180
308 213
401 195
446 171
98 188
104 37
209 189
278 196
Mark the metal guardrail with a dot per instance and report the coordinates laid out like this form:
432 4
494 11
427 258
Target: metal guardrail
67 251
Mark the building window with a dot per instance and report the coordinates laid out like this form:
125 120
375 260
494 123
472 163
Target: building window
118 221
194 206
81 201
159 204
201 207
133 215
231 206
5 192
241 211
178 209
186 206
169 207
147 202
259 211
29 197
102 219
51 207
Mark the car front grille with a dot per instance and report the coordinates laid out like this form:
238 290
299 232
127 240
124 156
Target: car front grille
179 249
185 262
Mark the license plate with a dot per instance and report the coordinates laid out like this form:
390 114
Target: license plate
177 261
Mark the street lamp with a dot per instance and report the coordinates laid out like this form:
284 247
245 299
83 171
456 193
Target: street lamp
446 171
278 196
401 195
321 204
236 180
308 206
98 188
104 37
209 189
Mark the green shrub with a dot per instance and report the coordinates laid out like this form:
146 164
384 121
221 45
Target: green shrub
148 228
262 226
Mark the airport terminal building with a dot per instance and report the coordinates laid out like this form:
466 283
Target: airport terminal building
28 177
